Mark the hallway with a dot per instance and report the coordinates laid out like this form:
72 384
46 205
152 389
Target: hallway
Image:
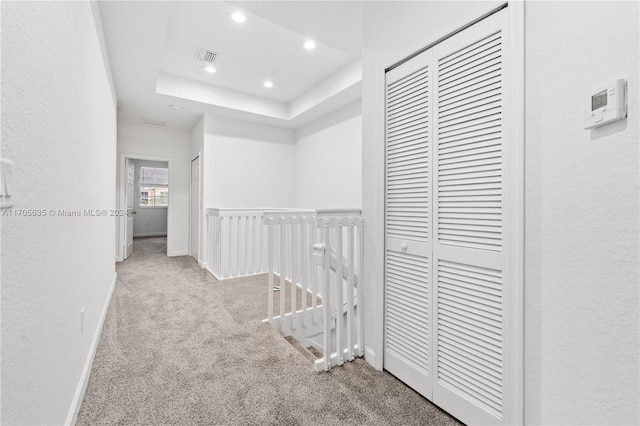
179 347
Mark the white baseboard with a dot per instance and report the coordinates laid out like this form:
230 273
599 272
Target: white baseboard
212 273
236 276
150 234
178 253
72 415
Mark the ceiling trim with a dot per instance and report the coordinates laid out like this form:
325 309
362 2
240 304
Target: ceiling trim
336 91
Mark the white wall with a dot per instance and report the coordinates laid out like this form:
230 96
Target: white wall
148 221
581 278
247 164
196 139
328 161
59 128
581 282
158 143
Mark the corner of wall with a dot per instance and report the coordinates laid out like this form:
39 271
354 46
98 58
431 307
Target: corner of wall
97 18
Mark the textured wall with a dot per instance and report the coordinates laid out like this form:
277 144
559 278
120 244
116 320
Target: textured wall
149 142
59 128
582 215
328 161
247 164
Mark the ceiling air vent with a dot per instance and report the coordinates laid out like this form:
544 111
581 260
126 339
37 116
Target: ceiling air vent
206 55
152 122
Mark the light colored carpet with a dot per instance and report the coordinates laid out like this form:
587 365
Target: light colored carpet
180 348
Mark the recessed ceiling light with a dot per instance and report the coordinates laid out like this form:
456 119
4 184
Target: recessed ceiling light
210 68
268 84
238 17
175 107
309 44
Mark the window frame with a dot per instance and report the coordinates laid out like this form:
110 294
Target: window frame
153 186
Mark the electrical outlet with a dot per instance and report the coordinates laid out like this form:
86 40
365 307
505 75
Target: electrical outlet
82 320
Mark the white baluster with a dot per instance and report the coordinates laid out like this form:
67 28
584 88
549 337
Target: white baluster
326 300
283 287
350 289
360 319
294 273
270 254
227 252
304 264
339 293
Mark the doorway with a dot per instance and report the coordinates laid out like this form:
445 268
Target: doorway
452 224
144 196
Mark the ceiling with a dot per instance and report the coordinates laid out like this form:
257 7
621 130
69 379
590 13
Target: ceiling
152 50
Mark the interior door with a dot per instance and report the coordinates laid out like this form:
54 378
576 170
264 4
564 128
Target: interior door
408 347
446 197
130 212
195 206
470 249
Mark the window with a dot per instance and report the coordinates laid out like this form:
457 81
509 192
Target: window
154 187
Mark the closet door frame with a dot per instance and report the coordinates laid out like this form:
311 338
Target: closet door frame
515 302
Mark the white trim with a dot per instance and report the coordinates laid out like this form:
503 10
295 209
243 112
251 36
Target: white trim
121 238
374 350
151 234
253 274
72 415
200 257
515 333
212 273
178 253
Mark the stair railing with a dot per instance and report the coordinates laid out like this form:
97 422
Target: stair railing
317 259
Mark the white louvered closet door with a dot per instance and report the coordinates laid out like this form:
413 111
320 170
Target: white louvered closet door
470 218
407 351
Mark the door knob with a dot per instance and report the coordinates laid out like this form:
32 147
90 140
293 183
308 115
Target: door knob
134 212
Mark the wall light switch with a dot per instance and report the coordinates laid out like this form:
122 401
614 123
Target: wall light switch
6 184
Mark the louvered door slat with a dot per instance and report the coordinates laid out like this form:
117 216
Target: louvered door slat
457 93
406 323
467 97
468 51
399 85
408 224
463 151
454 130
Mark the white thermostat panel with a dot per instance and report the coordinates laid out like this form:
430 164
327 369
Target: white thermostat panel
606 105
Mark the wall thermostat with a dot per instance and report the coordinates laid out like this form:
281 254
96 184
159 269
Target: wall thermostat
606 105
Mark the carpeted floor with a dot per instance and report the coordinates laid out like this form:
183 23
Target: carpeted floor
180 348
